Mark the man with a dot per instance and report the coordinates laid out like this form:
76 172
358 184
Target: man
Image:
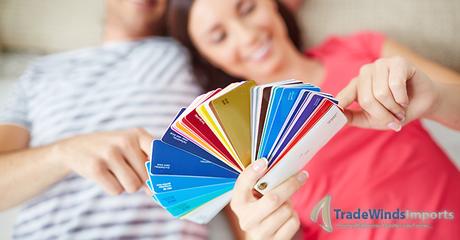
72 144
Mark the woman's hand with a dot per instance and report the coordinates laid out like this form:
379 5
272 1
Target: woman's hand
272 216
390 92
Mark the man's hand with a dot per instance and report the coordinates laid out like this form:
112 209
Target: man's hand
114 160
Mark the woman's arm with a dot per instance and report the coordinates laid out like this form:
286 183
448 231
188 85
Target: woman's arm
401 87
447 81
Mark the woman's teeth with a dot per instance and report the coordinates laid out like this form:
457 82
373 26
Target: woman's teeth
260 53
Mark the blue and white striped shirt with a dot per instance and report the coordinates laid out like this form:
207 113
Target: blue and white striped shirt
116 86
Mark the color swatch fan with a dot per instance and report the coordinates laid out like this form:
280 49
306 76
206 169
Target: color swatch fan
193 168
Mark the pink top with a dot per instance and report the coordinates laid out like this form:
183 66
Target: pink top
364 169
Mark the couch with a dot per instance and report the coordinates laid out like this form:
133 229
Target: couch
31 28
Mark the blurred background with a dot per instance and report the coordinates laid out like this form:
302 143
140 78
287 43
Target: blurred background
32 28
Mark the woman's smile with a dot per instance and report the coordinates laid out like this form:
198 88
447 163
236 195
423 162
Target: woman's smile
261 52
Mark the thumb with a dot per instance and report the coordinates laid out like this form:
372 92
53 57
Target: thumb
248 178
360 118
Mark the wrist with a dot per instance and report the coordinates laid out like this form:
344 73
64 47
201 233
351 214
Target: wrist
435 103
56 157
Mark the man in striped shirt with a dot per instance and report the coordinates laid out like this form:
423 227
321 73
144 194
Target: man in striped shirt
72 138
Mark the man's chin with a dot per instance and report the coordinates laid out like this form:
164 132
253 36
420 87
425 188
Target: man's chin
147 10
149 4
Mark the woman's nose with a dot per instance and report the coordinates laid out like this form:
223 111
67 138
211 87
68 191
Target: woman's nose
244 33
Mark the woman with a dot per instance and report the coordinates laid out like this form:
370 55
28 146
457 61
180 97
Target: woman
385 167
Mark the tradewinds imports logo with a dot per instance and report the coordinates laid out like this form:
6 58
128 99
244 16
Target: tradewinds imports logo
374 217
323 206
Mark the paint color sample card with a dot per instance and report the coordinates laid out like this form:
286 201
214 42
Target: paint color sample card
194 167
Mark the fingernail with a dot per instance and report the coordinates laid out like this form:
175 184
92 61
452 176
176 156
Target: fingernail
404 105
302 176
260 164
401 116
394 126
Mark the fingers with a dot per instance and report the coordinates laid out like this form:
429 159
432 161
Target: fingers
115 160
377 115
289 229
358 118
134 150
283 192
127 160
108 182
279 195
246 181
401 72
137 159
268 204
144 139
382 91
124 173
269 226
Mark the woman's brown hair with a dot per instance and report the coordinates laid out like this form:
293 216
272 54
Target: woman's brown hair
208 76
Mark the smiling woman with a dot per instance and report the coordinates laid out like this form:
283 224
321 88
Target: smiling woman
389 160
241 37
216 36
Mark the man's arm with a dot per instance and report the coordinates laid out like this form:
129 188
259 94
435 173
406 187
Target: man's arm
32 169
114 160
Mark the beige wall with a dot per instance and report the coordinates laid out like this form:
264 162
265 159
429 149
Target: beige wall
50 25
431 27
428 26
